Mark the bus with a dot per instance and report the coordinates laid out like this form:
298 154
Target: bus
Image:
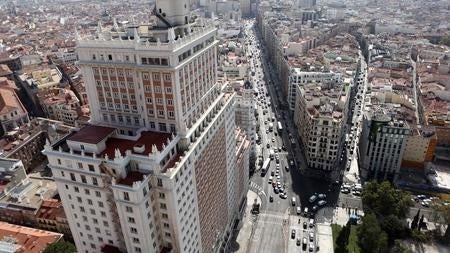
280 128
265 167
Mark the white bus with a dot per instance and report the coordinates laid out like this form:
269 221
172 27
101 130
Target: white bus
280 128
265 166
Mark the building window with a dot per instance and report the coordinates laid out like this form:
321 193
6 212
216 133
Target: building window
72 177
91 167
129 209
94 181
126 196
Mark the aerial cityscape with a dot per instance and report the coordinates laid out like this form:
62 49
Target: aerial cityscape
222 126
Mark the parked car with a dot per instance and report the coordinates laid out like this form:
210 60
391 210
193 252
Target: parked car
293 234
322 203
312 198
322 196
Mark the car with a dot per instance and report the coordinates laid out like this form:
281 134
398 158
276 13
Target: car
276 190
283 147
305 243
270 199
315 208
312 198
311 247
311 223
281 190
283 195
286 168
356 193
299 210
322 203
425 204
293 234
272 173
322 196
345 190
268 145
305 225
273 139
311 236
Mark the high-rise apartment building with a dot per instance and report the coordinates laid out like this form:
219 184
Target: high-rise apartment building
382 144
320 115
161 167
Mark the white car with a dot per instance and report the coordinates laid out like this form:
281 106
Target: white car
312 198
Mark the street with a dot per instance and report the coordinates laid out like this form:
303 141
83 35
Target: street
272 228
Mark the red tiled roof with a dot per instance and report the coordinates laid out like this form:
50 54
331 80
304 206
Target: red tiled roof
147 138
32 240
91 134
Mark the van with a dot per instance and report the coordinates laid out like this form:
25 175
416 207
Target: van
293 201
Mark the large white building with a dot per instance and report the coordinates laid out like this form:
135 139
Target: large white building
320 115
161 168
300 77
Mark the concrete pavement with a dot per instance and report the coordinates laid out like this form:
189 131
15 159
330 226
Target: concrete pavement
242 238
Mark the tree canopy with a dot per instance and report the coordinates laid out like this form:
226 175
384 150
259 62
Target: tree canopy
383 199
372 239
446 40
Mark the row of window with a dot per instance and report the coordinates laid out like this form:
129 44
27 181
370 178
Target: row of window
157 89
154 61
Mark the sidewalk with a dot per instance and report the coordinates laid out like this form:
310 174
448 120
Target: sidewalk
241 240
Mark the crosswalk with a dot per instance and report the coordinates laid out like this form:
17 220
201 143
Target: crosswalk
254 186
258 189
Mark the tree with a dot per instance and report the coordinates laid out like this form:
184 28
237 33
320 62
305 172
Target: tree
399 248
443 212
446 40
371 238
415 221
383 199
61 246
421 223
342 239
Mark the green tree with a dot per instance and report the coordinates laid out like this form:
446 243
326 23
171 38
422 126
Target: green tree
399 248
383 199
61 246
371 238
342 239
443 212
446 40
